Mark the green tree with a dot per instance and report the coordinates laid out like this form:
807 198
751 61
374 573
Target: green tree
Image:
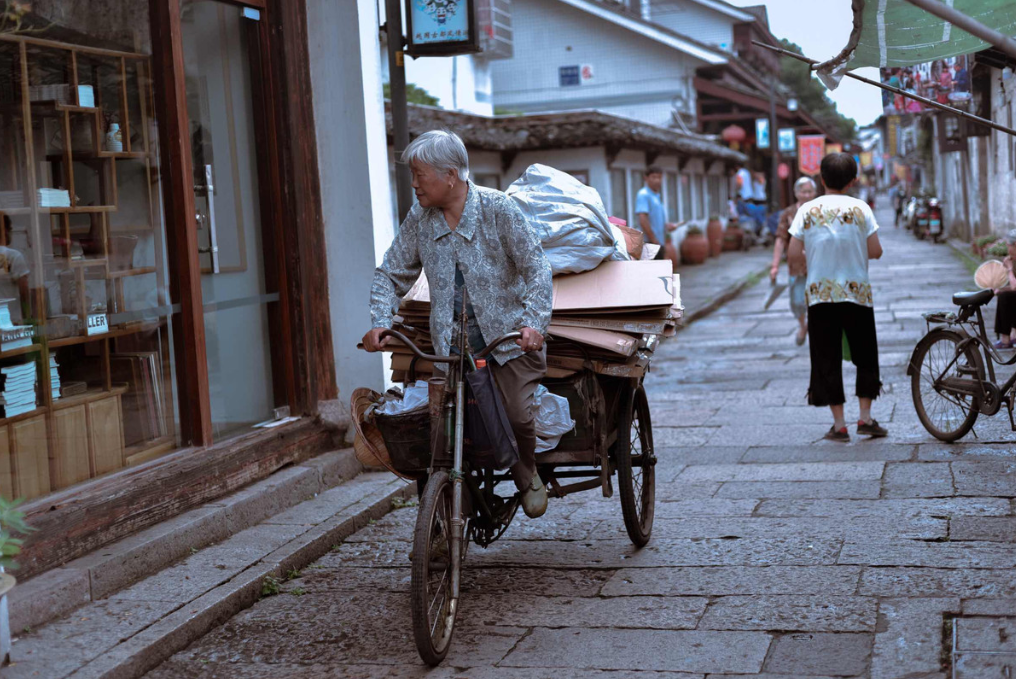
812 95
414 95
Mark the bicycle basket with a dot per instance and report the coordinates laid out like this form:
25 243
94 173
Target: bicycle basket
407 438
370 445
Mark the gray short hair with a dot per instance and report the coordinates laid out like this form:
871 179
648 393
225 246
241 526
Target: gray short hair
1010 237
802 181
440 149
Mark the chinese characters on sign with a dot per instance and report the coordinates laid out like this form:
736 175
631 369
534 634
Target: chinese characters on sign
571 76
810 149
441 27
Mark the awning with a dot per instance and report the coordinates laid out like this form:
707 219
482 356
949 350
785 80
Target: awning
890 33
899 33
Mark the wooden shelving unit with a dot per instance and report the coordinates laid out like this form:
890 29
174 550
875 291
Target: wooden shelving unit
69 439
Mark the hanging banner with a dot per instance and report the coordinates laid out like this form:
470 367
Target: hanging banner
787 140
441 28
810 150
762 133
867 160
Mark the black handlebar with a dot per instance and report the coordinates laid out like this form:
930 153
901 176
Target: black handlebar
447 359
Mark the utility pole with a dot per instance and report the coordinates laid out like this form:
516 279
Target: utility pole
774 146
400 116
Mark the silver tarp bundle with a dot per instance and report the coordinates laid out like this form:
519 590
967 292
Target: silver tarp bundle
569 218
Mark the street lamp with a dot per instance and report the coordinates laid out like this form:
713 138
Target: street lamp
791 104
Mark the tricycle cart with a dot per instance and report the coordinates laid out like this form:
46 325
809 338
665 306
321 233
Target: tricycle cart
460 502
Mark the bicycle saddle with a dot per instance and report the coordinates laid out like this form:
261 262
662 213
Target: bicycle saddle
973 298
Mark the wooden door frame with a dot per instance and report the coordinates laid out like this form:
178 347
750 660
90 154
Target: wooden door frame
303 363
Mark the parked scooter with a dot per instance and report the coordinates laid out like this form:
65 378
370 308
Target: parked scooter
928 222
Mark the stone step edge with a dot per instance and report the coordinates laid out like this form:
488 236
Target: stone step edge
150 647
59 591
728 294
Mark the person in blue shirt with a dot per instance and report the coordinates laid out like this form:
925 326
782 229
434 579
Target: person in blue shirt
652 216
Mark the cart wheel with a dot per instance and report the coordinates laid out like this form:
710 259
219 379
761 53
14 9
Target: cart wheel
636 468
433 612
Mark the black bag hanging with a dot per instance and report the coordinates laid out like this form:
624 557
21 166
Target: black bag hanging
488 433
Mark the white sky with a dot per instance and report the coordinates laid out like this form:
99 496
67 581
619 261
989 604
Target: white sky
821 28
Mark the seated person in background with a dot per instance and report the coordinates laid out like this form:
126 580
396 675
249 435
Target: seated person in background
1005 312
14 275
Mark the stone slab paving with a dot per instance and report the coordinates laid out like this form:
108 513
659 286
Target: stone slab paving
776 555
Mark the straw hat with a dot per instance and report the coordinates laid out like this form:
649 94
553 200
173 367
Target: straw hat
369 445
992 274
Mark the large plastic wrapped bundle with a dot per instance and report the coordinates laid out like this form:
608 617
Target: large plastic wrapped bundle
569 219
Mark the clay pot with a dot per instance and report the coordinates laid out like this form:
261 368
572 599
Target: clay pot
733 239
714 234
694 249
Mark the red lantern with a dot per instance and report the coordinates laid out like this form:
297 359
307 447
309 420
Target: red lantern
783 171
733 134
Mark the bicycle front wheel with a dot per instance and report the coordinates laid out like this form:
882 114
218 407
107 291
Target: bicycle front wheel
431 590
947 415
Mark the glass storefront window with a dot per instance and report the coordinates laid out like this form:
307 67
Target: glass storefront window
618 194
713 186
86 369
686 213
671 187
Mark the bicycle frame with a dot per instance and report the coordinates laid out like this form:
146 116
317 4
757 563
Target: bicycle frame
983 345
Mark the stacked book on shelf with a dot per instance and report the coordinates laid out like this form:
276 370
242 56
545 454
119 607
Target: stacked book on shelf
609 320
13 336
143 416
11 200
18 388
54 377
53 198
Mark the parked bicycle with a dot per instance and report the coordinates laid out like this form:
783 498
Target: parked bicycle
952 371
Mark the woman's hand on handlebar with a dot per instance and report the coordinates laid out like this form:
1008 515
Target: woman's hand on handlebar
373 341
531 340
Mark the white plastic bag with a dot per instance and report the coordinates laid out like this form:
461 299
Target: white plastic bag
569 219
553 419
415 396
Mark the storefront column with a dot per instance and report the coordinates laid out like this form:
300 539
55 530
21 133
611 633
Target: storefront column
345 64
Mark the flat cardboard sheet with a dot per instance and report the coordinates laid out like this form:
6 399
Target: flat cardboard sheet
616 342
617 284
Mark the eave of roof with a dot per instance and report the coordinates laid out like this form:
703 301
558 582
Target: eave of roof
726 8
569 129
650 30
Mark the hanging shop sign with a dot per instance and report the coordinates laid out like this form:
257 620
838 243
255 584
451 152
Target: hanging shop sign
441 28
762 133
810 149
787 140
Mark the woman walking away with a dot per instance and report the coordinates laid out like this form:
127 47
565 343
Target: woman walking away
835 236
804 190
1005 312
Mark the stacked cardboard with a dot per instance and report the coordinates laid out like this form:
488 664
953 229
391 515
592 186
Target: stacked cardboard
609 320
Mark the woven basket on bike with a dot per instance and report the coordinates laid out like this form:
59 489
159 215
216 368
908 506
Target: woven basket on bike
369 444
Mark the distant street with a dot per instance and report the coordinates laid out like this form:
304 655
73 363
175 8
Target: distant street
774 553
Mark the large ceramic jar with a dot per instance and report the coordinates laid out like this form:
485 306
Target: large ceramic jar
714 234
694 247
733 238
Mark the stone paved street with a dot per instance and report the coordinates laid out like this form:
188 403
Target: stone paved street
775 554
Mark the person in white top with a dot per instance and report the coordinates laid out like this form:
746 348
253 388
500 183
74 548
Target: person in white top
835 236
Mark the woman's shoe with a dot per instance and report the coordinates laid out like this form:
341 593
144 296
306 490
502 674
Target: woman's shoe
835 434
534 498
1002 344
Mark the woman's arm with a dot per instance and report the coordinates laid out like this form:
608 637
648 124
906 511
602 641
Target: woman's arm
874 247
795 256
